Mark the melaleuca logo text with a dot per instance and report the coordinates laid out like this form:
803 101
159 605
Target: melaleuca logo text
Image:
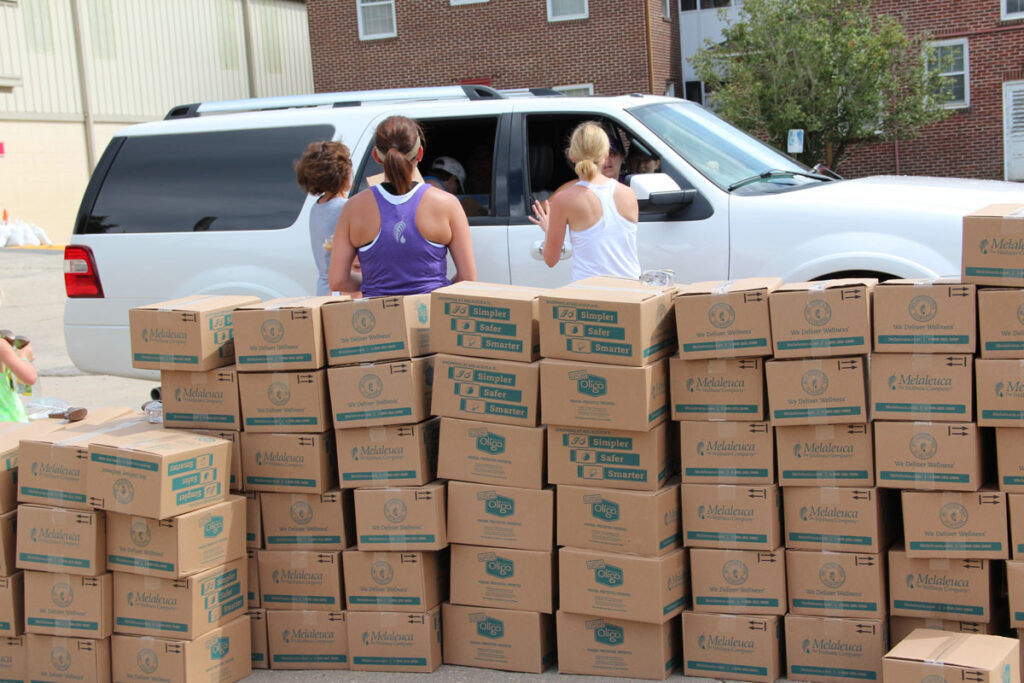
716 641
831 647
821 449
724 512
715 384
609 634
296 576
497 505
606 574
55 470
917 381
500 567
307 636
1005 246
197 395
1010 389
55 536
386 638
279 459
490 443
827 513
376 452
150 600
163 334
605 510
936 581
588 384
725 447
490 628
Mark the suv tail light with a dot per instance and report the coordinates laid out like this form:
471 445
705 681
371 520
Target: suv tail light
81 279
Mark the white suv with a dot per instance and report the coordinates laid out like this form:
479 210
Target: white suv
206 201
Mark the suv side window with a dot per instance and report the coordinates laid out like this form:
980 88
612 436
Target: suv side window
471 142
195 182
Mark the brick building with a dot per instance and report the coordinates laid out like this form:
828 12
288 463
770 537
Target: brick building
578 46
984 135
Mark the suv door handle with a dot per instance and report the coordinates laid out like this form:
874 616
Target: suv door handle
538 251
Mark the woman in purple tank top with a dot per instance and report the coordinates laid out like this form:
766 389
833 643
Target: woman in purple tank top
401 230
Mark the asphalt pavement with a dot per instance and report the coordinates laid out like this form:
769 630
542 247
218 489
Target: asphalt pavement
32 283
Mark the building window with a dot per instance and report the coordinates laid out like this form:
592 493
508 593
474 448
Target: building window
377 19
1013 9
666 9
577 90
565 10
949 58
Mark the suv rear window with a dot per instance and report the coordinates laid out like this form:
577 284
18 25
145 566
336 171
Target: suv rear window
194 182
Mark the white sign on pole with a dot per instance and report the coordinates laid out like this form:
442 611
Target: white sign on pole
795 141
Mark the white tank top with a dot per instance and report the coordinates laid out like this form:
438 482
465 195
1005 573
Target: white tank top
608 247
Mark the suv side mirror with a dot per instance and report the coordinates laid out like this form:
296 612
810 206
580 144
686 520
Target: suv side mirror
658 193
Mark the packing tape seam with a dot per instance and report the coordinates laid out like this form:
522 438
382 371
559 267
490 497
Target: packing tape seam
722 289
953 643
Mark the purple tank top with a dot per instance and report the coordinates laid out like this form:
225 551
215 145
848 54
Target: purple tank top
400 261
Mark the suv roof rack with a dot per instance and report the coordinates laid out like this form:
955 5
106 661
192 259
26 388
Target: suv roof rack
337 99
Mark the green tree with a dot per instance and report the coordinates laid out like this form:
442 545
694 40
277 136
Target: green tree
830 67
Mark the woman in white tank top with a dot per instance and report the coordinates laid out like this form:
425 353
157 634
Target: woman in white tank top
600 213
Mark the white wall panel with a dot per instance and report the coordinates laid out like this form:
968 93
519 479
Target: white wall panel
38 44
283 63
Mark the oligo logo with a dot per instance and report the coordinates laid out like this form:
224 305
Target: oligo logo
491 443
609 634
608 575
499 506
490 628
588 384
605 510
500 567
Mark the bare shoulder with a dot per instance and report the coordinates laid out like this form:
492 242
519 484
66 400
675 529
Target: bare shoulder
624 192
439 199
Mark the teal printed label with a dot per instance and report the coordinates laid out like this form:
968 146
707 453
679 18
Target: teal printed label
166 358
825 343
73 624
604 458
595 347
190 464
1013 481
959 546
657 413
655 348
1003 414
467 341
726 537
591 331
727 344
382 600
280 598
674 605
379 476
258 656
919 606
53 495
309 659
476 406
817 412
275 358
922 339
726 472
281 481
834 672
397 538
1004 346
130 463
190 480
483 327
720 667
373 414
55 560
669 540
485 392
367 349
279 421
891 475
195 495
142 563
845 475
944 408
835 539
304 540
501 379
154 624
715 601
463 310
585 315
845 605
390 661
199 417
978 271
613 474
717 408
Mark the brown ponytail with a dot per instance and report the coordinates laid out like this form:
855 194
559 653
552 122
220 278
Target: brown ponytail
398 140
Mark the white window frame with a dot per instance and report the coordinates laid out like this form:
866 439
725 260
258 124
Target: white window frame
569 90
570 17
467 2
376 36
1007 15
966 102
666 8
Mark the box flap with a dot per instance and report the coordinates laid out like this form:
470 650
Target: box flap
828 284
968 650
200 303
492 290
610 290
947 280
745 284
1014 211
293 302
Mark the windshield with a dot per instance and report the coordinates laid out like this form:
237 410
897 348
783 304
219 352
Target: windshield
718 150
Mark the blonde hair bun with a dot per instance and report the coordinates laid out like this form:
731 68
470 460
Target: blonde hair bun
589 147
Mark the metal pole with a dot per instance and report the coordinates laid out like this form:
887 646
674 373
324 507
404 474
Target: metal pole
250 58
83 85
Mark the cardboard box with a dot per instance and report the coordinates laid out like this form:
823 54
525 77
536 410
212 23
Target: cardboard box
604 396
734 517
223 655
731 389
833 518
376 329
52 467
408 518
501 516
289 463
508 640
817 391
395 641
617 647
12 605
55 539
615 459
382 393
924 316
285 401
1001 322
8 542
489 453
993 246
955 524
825 455
732 647
11 435
1010 458
503 392
942 588
260 648
725 319
191 333
631 522
831 584
822 318
825 649
307 639
180 608
201 399
301 579
281 334
395 581
928 455
953 656
253 564
504 577
901 627
65 660
13 658
305 521
399 455
1015 591
60 604
158 474
1015 504
253 520
486 321
918 387
236 482
738 581
180 546
727 452
1000 393
608 320
649 589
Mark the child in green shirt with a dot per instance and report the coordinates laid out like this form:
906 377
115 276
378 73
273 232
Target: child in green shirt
15 365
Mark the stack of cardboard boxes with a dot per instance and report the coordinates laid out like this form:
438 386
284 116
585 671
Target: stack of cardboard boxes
623 575
380 379
731 505
501 514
